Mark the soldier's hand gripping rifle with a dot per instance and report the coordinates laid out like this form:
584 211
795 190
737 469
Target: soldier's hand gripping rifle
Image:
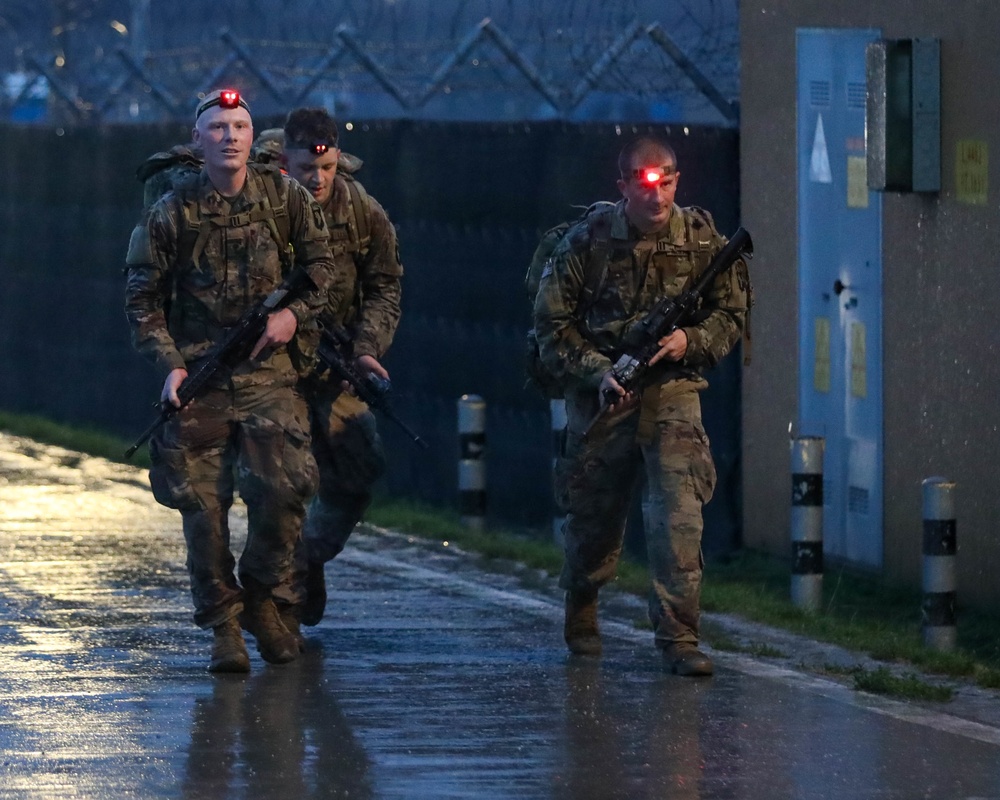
334 346
231 351
666 316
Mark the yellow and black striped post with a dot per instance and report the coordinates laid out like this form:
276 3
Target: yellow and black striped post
940 578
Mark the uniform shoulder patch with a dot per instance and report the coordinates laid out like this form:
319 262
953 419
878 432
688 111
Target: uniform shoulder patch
700 217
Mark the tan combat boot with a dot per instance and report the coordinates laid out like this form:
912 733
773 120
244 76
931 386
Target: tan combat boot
260 617
289 617
580 630
229 651
686 659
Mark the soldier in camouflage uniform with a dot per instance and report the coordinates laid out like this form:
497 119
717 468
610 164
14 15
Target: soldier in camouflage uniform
202 255
345 440
655 249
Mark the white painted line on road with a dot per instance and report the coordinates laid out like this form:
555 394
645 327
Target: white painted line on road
826 688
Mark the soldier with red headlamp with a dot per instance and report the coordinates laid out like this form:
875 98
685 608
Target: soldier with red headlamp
345 438
216 245
651 248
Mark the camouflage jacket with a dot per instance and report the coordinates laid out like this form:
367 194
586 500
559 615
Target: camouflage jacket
580 344
178 310
370 308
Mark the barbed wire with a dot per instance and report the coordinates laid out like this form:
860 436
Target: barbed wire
123 58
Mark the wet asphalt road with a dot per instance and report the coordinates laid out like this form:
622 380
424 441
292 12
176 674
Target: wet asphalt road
429 678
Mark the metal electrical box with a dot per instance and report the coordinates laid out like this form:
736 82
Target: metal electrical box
903 120
840 289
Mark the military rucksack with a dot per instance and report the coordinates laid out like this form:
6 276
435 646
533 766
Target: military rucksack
596 268
159 173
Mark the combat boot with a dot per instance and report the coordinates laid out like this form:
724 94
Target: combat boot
229 651
312 609
686 659
580 630
260 617
290 619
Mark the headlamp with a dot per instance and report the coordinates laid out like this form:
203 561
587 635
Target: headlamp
653 176
227 98
315 146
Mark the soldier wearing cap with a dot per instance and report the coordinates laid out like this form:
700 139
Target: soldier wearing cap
345 440
202 255
656 248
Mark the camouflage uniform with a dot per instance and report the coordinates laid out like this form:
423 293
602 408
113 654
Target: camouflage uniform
249 430
664 434
345 441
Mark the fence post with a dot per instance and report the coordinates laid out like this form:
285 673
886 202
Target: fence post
471 466
940 579
557 412
807 522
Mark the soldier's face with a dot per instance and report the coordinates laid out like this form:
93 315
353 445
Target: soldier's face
225 134
647 205
315 172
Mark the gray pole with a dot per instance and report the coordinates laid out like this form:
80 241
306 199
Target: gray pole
471 466
940 581
557 411
807 522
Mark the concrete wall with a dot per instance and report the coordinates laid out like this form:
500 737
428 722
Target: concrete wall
941 272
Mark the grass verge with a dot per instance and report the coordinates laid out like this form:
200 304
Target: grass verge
859 612
82 439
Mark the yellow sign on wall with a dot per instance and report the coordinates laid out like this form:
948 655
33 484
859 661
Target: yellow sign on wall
821 356
857 182
971 176
859 376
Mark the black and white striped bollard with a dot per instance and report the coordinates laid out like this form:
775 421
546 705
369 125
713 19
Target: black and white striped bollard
471 464
940 578
807 522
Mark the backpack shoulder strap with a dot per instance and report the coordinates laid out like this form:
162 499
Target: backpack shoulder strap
193 233
362 212
598 256
278 219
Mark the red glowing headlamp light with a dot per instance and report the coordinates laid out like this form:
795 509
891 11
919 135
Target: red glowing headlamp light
226 98
653 176
316 147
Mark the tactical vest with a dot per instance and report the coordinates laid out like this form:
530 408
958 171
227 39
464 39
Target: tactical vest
273 211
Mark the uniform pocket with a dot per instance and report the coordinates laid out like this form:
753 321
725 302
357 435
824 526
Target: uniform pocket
275 459
170 477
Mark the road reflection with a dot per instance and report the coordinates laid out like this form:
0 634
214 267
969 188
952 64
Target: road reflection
279 733
626 738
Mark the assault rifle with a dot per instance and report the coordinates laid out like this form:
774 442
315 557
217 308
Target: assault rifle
230 352
666 316
333 352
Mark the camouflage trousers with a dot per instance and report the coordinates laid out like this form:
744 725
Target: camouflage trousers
664 440
253 439
350 456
